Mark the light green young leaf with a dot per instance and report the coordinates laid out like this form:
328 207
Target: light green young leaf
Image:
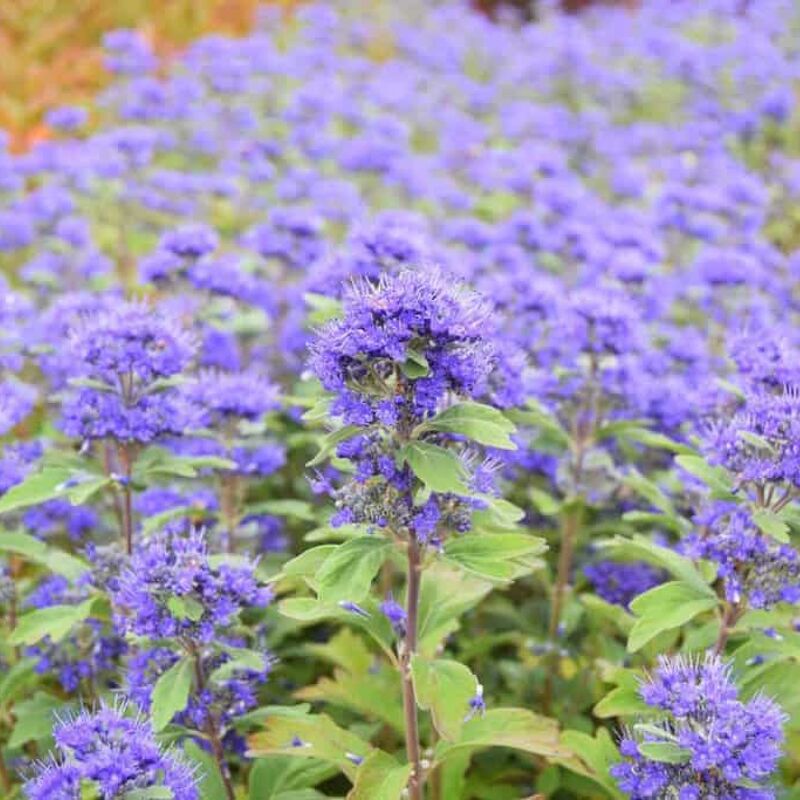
666 607
447 593
380 777
36 551
772 525
347 573
439 469
274 777
592 757
496 556
668 752
716 478
211 786
483 424
330 442
319 738
676 564
38 487
35 718
171 693
445 687
516 728
54 621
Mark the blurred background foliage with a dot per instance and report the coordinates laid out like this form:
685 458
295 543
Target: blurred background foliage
51 49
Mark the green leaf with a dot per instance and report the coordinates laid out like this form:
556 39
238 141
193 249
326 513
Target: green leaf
36 551
35 718
345 649
324 308
598 608
16 679
496 556
38 487
516 728
445 687
163 463
331 441
416 365
274 777
447 592
483 424
544 502
657 441
439 469
372 695
666 607
592 757
241 659
717 479
380 777
307 563
772 525
55 622
639 547
298 509
314 736
347 573
648 490
536 415
171 693
668 752
149 793
310 610
85 489
211 786
622 701
185 608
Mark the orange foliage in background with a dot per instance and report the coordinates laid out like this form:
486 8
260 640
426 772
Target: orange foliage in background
51 55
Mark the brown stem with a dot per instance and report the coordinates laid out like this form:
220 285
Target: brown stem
229 506
569 535
415 782
126 462
212 728
5 776
727 624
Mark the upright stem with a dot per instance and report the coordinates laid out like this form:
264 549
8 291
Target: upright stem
727 624
127 497
409 696
212 728
5 776
569 536
229 506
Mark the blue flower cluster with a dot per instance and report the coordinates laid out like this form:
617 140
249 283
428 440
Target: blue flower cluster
415 320
112 755
171 590
707 743
125 356
403 347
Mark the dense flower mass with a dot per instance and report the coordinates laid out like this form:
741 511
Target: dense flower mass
401 346
124 356
112 755
472 336
756 570
171 590
719 746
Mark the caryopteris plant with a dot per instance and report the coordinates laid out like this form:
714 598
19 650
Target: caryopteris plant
398 403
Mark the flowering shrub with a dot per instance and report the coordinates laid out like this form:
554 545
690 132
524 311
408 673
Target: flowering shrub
406 406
